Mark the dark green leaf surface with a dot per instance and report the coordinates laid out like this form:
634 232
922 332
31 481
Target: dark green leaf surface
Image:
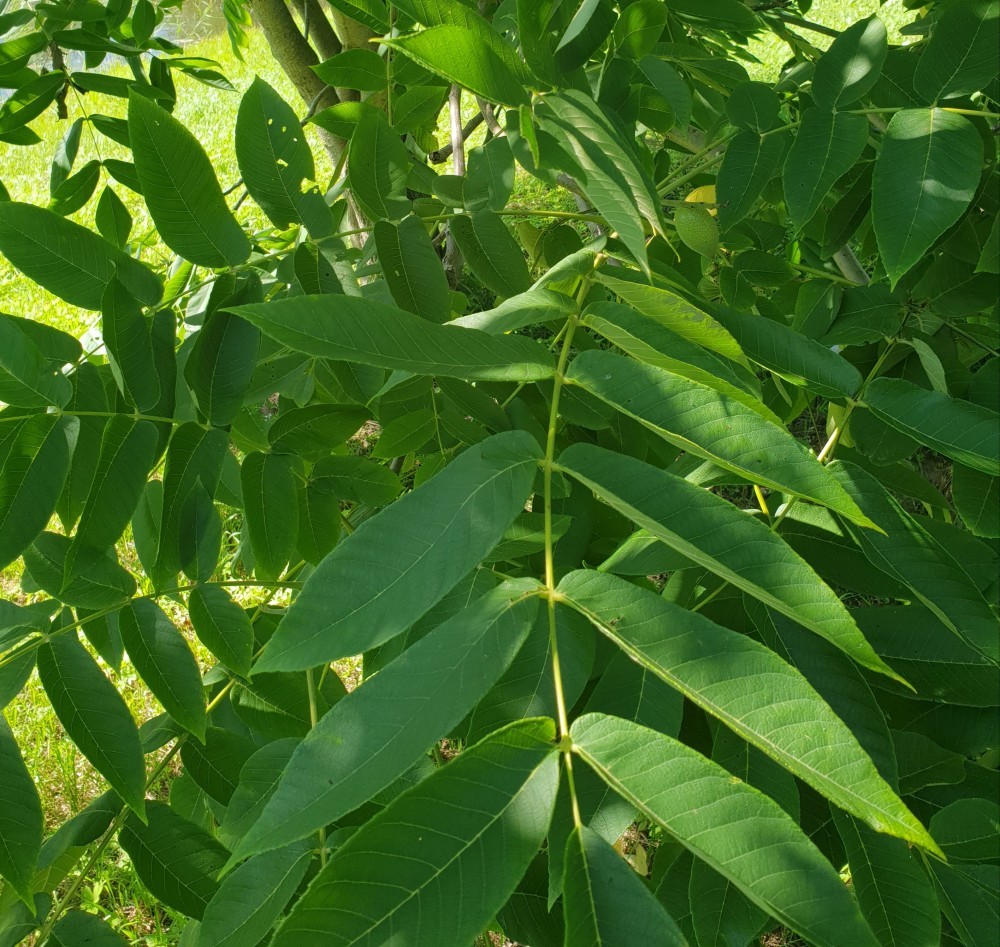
398 564
851 66
175 859
468 832
94 715
181 189
372 333
751 840
269 499
605 902
430 686
165 662
222 626
961 56
220 367
412 269
491 252
31 478
82 929
377 167
723 672
719 537
961 430
25 379
926 174
20 817
708 424
74 263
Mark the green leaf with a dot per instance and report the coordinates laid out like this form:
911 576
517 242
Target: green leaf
165 662
753 106
851 66
258 781
478 60
489 179
112 218
252 898
491 252
221 365
361 69
743 834
128 341
181 189
215 766
69 260
977 499
94 715
357 480
790 354
605 903
77 190
175 859
20 817
710 425
750 161
269 500
604 167
893 891
315 429
827 145
969 830
25 378
721 671
721 538
222 626
967 896
674 313
906 551
128 449
467 832
961 430
400 563
276 161
939 666
412 269
925 177
430 687
31 478
377 167
639 27
961 56
371 333
102 584
82 929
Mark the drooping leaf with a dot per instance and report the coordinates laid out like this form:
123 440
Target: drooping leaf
926 174
127 451
69 260
722 672
827 145
720 538
181 190
221 364
751 840
222 626
491 252
674 313
468 831
269 499
175 859
438 680
398 564
412 269
710 425
25 378
961 430
377 168
478 60
162 657
606 903
618 186
357 330
251 898
31 478
851 66
128 340
961 56
94 715
20 817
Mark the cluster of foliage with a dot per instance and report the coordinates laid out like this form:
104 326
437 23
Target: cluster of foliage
604 567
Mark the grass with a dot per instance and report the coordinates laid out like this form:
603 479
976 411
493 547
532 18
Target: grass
66 782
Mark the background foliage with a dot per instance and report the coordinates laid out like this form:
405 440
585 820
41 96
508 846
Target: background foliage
658 497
